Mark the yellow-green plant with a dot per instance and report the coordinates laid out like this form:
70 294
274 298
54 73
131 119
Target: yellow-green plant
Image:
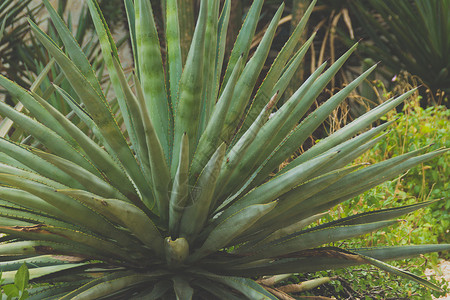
188 205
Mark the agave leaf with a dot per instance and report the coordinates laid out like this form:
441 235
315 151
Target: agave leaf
396 271
35 163
363 218
6 169
35 262
8 221
29 201
100 111
400 252
180 189
73 209
91 182
29 248
276 187
328 258
127 214
247 287
231 228
188 107
365 179
84 116
294 197
222 30
46 136
109 53
263 94
208 101
312 238
291 69
300 110
271 131
131 18
54 290
111 283
313 120
379 215
349 130
160 173
73 49
278 234
247 81
138 140
243 41
11 212
218 290
69 237
156 292
174 59
347 156
37 110
35 273
210 139
151 73
106 165
238 151
196 213
183 290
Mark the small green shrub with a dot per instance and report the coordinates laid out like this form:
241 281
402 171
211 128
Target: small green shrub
18 289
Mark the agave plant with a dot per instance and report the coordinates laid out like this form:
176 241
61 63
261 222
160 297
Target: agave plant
187 205
411 36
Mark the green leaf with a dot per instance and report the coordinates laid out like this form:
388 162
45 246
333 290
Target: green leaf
100 111
208 97
196 213
40 272
183 290
313 238
396 271
35 262
131 18
267 87
73 209
151 73
174 59
127 214
112 283
91 182
231 228
247 81
210 139
42 115
109 53
245 286
180 189
160 173
187 110
271 133
137 131
218 290
46 136
238 152
276 187
243 41
39 165
21 278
